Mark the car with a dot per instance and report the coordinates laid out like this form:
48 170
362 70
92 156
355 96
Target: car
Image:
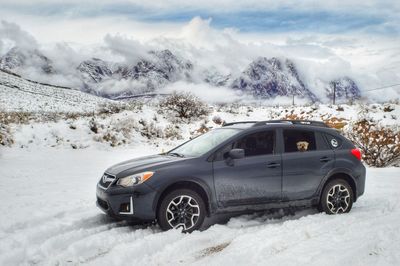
239 167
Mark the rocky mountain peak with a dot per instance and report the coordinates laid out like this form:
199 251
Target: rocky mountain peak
19 58
270 77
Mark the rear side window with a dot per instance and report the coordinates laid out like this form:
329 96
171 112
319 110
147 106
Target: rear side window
299 140
333 141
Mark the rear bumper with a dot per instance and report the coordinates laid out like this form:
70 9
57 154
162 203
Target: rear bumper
361 181
127 203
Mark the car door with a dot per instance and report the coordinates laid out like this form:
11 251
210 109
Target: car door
306 159
254 179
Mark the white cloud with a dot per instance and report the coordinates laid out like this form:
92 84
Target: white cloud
12 32
204 91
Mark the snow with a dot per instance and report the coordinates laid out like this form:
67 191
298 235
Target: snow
49 217
19 94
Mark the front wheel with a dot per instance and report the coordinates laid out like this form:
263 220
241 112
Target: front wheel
337 197
183 209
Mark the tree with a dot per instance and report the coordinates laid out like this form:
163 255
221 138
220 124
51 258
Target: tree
184 105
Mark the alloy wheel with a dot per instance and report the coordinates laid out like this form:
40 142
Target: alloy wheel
183 211
338 199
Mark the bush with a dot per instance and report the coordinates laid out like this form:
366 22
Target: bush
380 146
172 132
5 136
15 117
185 105
150 130
217 120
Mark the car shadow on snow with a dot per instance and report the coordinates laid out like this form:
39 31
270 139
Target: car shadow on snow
249 219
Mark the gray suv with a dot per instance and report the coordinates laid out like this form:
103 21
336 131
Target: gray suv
240 167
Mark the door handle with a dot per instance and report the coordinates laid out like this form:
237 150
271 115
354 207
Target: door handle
273 165
324 159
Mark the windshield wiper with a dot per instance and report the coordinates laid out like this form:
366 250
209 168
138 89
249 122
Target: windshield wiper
176 154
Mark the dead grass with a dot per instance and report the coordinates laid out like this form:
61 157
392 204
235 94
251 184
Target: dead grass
213 250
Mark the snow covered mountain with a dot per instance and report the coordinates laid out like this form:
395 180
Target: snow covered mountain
268 78
150 74
263 78
345 88
21 58
94 70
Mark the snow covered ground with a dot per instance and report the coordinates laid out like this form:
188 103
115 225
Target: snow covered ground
49 217
19 94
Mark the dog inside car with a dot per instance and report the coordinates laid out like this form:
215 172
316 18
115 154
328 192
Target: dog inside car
302 145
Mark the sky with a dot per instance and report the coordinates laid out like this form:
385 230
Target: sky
357 38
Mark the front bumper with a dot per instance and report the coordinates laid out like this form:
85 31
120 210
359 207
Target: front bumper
127 203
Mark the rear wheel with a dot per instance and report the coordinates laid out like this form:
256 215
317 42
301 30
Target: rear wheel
337 197
183 209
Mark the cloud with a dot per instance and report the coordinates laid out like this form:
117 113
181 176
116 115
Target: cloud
12 32
128 48
374 16
205 91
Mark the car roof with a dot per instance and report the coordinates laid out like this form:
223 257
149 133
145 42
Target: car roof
303 124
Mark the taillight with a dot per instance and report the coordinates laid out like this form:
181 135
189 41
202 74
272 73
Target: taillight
356 153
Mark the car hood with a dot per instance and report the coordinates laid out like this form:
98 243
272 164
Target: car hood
142 164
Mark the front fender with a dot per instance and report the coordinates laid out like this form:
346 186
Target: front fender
194 180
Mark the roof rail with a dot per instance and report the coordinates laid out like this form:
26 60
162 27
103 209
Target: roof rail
293 122
239 122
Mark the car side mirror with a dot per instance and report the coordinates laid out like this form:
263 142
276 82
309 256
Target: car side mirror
236 153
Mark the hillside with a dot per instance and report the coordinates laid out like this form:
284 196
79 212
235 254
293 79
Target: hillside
19 94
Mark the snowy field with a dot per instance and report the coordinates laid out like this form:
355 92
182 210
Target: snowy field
49 217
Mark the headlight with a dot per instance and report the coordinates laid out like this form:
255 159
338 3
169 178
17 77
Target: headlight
135 179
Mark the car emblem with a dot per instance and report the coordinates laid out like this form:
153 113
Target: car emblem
107 179
334 143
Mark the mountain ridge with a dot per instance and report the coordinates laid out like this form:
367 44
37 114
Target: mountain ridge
263 78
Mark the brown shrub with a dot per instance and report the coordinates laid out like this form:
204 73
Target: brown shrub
380 146
5 136
335 122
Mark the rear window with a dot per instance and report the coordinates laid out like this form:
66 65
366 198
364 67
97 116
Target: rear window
333 141
299 140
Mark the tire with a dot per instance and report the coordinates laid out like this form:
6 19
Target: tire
181 208
337 197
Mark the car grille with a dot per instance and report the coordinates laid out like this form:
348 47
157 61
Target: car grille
106 181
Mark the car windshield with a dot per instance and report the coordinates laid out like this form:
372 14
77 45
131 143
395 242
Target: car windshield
204 143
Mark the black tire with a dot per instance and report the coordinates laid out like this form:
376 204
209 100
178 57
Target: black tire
340 198
181 210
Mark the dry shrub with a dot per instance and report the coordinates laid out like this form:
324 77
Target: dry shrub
151 130
110 108
380 145
294 117
172 132
5 136
335 122
184 105
202 129
15 117
217 120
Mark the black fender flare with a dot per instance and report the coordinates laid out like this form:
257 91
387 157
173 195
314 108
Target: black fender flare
197 181
333 172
